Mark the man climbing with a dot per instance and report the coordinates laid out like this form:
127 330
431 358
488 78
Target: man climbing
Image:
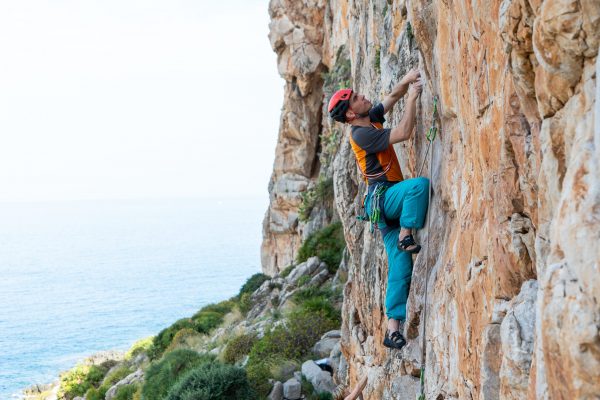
396 205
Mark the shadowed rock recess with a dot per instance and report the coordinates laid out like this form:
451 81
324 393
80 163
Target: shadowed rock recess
514 285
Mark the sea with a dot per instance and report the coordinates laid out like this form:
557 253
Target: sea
78 277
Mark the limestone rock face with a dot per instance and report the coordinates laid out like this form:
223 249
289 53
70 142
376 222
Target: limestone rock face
297 38
511 258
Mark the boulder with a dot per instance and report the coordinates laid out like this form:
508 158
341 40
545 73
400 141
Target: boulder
276 392
319 278
306 268
292 390
324 346
334 334
321 380
134 377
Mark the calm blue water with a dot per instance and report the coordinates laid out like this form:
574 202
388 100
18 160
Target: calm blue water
80 277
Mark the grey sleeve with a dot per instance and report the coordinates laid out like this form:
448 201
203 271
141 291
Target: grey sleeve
370 139
376 113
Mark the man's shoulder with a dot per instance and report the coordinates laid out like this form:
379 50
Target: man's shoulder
376 113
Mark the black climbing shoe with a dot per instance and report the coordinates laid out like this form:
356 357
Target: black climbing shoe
394 341
407 242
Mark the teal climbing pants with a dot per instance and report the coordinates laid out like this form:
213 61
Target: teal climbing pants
405 202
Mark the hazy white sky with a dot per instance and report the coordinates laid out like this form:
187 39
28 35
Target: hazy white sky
134 99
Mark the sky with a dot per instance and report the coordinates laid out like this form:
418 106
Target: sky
120 99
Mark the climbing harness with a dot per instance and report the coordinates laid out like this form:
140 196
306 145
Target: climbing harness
376 192
431 134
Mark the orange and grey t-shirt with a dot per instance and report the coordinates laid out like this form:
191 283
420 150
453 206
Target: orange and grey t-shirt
375 155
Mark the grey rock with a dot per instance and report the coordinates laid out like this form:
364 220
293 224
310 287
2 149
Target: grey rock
490 363
292 389
298 376
341 369
320 278
140 359
306 268
134 377
335 357
276 392
500 307
404 387
321 380
517 335
324 346
341 275
335 334
244 361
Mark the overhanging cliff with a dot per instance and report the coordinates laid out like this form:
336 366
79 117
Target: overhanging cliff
514 257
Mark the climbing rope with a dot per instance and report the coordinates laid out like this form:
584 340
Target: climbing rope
431 134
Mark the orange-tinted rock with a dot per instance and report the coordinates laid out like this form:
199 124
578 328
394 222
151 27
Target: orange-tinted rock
515 217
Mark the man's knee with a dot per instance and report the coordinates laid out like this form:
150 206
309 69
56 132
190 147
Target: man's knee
422 183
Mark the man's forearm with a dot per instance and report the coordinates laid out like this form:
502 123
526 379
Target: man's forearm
407 124
399 91
396 94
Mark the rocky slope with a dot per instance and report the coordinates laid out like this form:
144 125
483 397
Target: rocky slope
513 252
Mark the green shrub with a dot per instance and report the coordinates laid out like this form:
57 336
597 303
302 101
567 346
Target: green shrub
322 305
253 283
93 394
222 308
304 279
330 142
162 375
77 381
327 244
126 392
340 76
309 391
307 387
110 379
141 346
291 342
205 321
275 301
258 377
165 337
409 31
212 382
321 194
310 292
238 347
287 271
245 304
186 339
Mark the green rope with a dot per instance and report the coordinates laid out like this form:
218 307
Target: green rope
431 132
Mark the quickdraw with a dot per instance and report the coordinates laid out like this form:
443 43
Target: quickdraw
376 212
431 133
375 205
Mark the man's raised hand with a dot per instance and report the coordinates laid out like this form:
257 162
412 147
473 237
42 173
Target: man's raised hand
415 89
411 76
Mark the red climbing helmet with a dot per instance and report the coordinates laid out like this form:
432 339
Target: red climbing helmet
339 104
